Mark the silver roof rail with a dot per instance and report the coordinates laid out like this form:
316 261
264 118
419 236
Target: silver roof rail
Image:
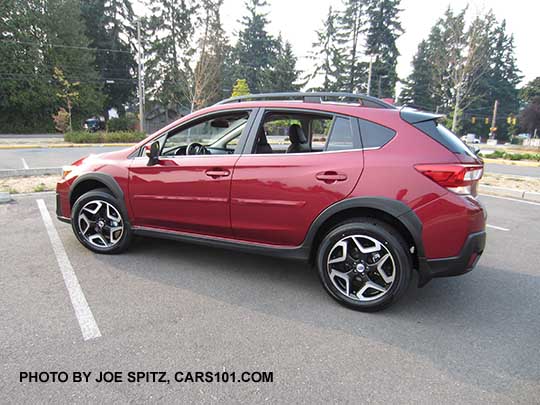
312 97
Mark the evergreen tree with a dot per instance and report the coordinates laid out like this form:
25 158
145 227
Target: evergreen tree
328 55
352 25
35 38
110 25
417 90
255 49
283 75
169 48
383 29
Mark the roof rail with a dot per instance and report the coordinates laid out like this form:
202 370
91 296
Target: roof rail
311 97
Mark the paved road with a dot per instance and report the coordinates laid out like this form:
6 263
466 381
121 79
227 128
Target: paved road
171 306
46 157
31 136
511 169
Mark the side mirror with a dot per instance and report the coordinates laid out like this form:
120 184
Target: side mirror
152 151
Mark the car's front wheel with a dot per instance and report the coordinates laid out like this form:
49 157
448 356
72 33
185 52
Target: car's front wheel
99 222
364 264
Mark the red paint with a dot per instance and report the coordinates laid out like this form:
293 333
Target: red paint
273 199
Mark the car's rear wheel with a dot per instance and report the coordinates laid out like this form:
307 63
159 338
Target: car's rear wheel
364 264
100 223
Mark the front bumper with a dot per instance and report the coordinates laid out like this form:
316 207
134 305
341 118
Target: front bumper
455 266
59 210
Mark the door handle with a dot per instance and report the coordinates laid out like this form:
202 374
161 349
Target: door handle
215 173
331 177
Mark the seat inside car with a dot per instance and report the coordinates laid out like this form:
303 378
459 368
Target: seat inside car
262 142
299 141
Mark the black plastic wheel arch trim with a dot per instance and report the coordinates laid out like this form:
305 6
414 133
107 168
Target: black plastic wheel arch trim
107 180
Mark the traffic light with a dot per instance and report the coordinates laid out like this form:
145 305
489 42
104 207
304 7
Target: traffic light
486 120
514 121
473 120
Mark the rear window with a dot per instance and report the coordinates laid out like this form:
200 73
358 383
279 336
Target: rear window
444 136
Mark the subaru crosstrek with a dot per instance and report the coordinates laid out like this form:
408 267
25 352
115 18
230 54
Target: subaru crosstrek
364 190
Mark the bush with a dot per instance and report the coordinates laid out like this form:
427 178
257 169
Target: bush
512 156
126 123
104 137
61 120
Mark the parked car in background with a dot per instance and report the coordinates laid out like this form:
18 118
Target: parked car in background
470 138
94 124
365 191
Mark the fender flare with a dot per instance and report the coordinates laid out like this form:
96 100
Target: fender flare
106 179
397 209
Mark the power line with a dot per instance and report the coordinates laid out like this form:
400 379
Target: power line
64 46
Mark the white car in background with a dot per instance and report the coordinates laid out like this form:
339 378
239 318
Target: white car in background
470 138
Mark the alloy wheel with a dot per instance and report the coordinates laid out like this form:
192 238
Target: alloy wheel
100 224
361 267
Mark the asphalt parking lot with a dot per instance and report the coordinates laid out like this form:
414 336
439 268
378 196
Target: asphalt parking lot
167 306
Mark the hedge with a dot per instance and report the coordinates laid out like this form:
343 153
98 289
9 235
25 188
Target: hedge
511 156
104 137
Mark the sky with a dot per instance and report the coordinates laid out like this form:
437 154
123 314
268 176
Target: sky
297 21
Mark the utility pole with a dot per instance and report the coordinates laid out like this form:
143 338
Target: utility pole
369 74
493 120
140 78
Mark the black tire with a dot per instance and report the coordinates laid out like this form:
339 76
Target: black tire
393 243
101 194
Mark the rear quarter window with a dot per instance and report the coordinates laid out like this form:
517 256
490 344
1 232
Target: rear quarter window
374 135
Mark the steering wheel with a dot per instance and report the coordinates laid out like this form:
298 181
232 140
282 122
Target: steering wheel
195 148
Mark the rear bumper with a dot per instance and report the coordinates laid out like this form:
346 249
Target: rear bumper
455 266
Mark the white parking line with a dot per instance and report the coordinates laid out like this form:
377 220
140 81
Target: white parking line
499 228
510 199
25 165
83 313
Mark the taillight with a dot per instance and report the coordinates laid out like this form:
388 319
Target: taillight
458 178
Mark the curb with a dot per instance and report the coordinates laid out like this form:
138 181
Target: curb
510 192
66 145
37 171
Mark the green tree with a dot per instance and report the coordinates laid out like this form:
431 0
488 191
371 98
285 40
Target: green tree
383 29
207 76
283 75
241 88
109 25
35 37
530 91
255 49
417 89
328 55
499 81
169 49
352 26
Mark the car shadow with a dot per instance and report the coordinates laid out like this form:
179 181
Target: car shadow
485 324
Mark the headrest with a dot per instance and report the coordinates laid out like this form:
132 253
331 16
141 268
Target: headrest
296 134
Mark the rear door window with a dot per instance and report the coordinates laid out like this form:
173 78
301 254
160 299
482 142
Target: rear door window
342 136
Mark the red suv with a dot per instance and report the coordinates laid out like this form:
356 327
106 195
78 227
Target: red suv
362 189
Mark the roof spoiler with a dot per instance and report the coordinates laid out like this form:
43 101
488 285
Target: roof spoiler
415 116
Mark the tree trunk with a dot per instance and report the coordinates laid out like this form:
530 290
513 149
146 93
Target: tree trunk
456 108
